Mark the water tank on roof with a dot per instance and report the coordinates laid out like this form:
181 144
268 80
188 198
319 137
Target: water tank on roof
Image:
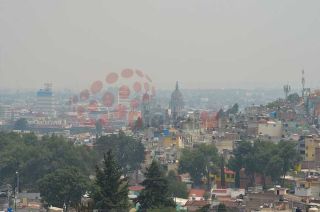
166 132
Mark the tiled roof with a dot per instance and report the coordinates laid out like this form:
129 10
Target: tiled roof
222 191
228 171
197 203
136 188
197 192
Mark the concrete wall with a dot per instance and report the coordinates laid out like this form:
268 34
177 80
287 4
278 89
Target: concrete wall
272 129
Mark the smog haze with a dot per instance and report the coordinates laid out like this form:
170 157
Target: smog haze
202 44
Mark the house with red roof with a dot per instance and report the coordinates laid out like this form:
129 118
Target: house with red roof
134 191
196 194
229 179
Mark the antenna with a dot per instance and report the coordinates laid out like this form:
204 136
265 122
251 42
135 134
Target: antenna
286 89
303 82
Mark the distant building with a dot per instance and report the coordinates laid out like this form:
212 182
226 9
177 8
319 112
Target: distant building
5 112
309 187
146 113
172 141
272 129
312 104
46 101
312 146
196 194
176 103
229 179
209 120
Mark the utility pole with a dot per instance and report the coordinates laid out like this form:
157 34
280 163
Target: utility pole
303 82
16 192
286 89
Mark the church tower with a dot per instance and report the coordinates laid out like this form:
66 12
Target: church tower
176 103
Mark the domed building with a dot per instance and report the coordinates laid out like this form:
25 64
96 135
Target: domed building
176 103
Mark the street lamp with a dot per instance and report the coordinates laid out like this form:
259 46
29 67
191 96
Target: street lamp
17 173
16 191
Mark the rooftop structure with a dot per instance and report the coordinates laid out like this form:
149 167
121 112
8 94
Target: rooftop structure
46 100
176 103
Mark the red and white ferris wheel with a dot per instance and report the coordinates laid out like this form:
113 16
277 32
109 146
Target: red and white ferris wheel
118 96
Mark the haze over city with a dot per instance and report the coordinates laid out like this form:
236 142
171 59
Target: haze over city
203 44
159 106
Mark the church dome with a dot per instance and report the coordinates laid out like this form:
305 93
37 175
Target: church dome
177 98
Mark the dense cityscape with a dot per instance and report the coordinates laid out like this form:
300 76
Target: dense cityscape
222 115
238 156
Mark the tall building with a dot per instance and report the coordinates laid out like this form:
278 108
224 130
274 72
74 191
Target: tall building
46 101
176 103
5 112
146 113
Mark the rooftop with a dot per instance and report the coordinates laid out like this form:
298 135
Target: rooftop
197 192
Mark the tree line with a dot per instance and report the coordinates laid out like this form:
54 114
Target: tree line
268 159
34 158
63 172
109 189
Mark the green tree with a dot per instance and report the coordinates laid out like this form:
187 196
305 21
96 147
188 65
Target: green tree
289 155
205 208
128 151
265 158
274 168
164 209
63 187
262 152
156 192
293 98
200 162
274 105
35 158
234 109
175 187
111 189
99 128
222 174
243 158
221 113
235 165
222 208
21 124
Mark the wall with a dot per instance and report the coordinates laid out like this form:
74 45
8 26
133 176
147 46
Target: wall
272 129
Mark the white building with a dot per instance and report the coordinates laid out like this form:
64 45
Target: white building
271 129
46 101
5 112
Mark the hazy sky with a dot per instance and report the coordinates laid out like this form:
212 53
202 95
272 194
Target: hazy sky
201 43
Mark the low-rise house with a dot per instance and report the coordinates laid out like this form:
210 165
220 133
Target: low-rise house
134 191
196 205
229 192
302 189
181 203
172 141
312 145
229 179
197 194
272 129
29 200
186 178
